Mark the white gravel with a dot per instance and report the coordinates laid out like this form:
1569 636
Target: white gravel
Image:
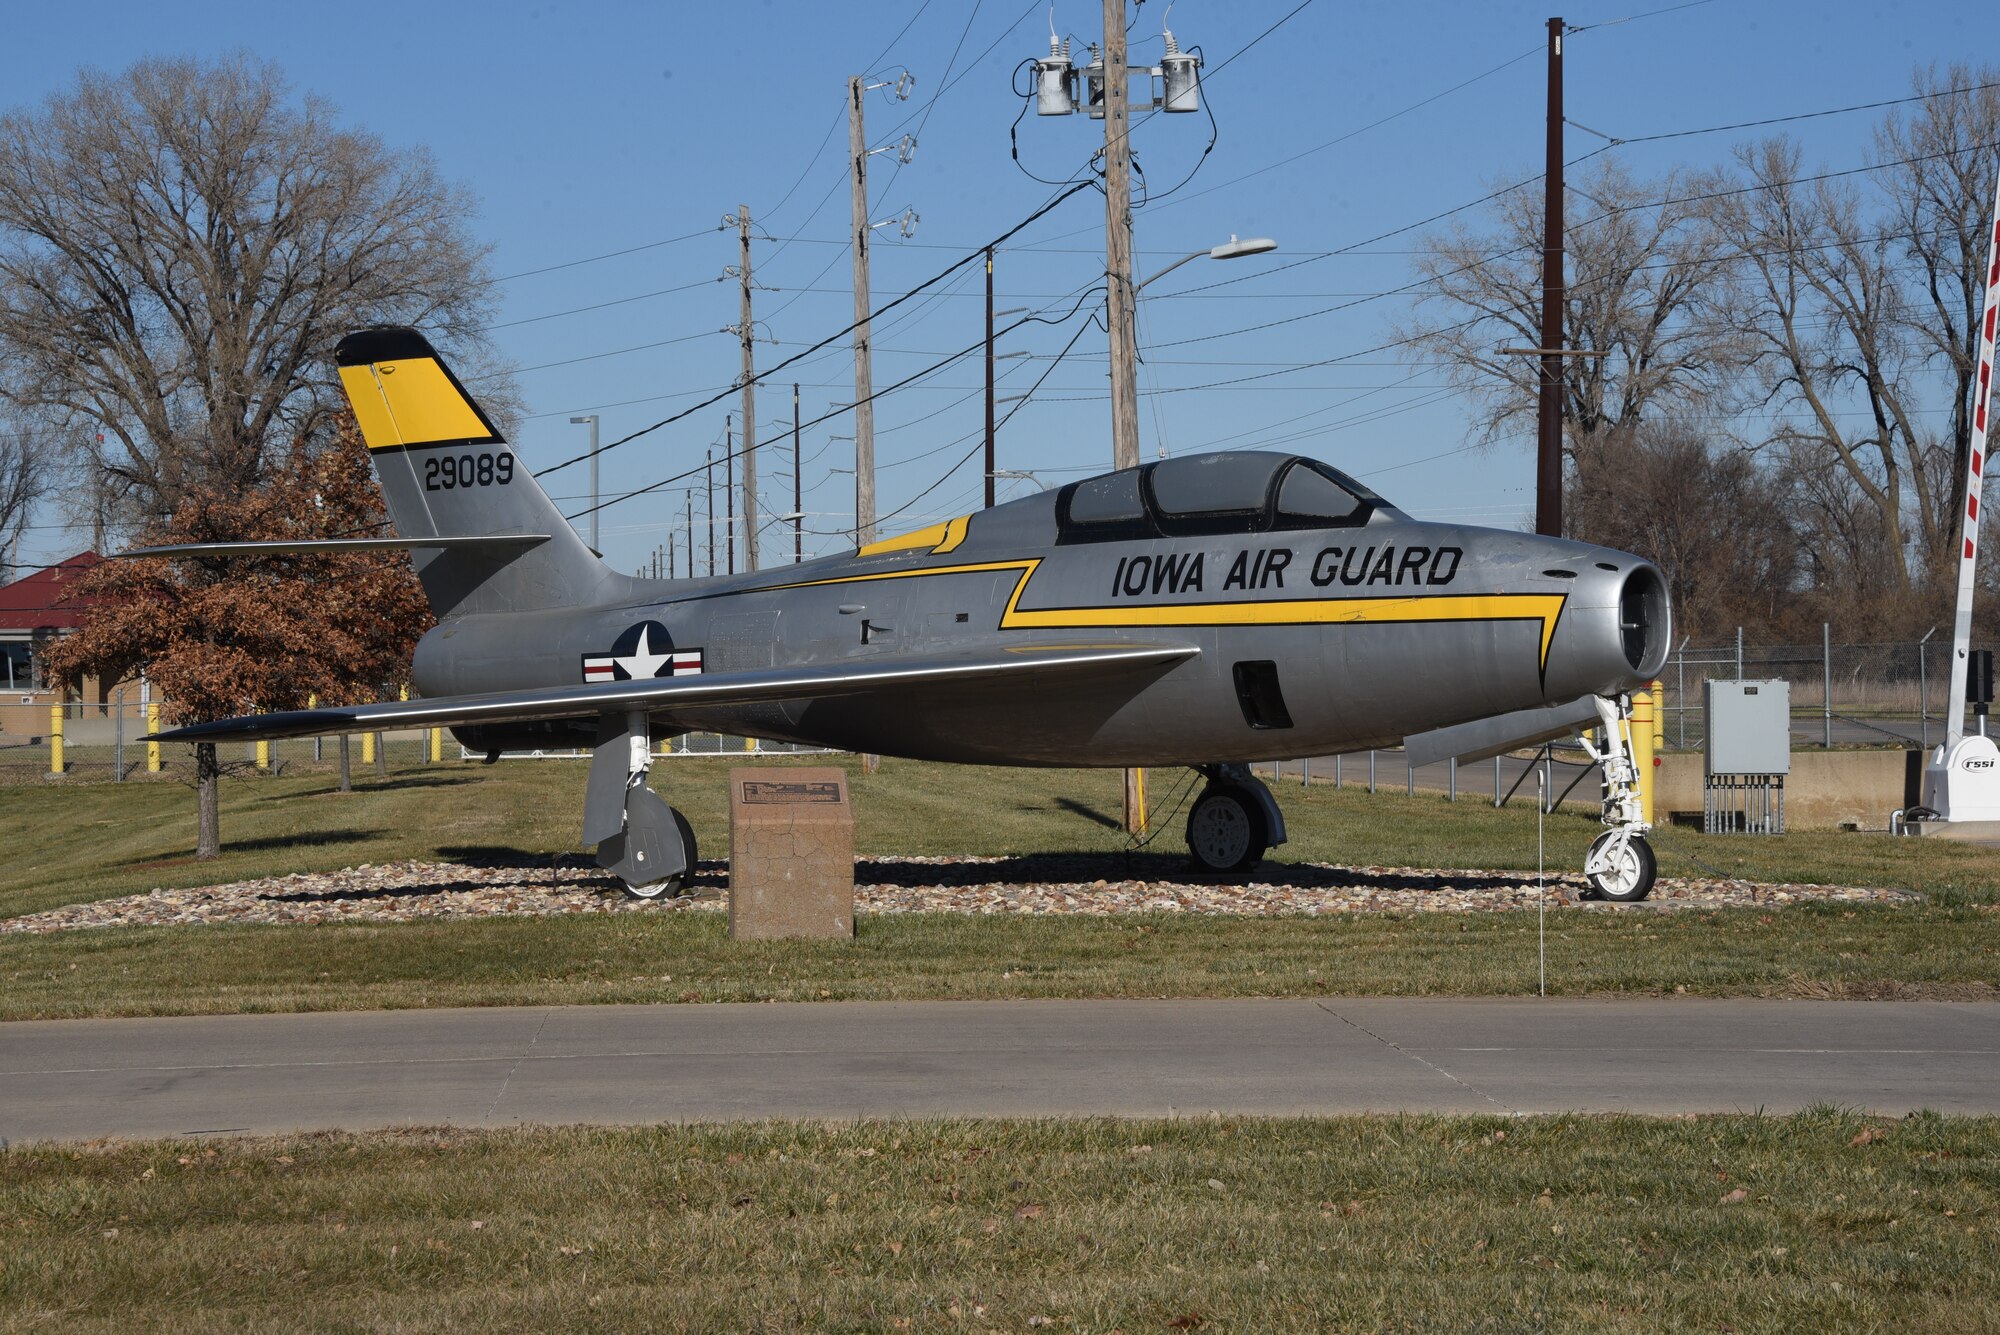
1036 884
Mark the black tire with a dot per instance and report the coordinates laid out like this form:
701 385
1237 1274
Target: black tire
669 887
1225 831
1630 882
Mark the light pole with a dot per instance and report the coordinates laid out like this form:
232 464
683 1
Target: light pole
592 420
1125 351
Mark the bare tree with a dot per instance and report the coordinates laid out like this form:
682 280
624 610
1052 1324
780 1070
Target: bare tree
23 477
180 247
1699 507
1948 151
1830 315
1645 275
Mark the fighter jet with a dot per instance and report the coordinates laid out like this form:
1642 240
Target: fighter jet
1205 611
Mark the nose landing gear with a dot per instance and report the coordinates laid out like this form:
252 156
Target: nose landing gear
1621 865
1233 822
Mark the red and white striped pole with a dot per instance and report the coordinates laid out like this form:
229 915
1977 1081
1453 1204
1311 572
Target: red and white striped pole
1975 470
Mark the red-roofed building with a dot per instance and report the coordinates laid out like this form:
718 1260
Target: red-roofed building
34 611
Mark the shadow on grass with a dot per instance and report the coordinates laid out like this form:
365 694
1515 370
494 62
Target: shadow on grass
368 783
1072 868
1088 812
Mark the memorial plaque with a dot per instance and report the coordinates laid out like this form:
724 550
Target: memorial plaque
791 854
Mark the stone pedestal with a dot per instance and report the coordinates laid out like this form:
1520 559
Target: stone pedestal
791 854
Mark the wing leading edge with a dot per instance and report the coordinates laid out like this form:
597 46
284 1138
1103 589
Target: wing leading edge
1023 664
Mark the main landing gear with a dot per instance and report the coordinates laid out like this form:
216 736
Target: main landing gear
1621 865
1233 821
640 839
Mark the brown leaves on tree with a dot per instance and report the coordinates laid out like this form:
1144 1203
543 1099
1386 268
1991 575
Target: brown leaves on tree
220 636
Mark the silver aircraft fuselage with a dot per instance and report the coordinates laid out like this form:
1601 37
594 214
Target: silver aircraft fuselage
1312 640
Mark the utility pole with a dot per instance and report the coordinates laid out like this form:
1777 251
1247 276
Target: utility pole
864 407
1548 417
798 488
687 496
748 332
729 491
708 508
989 378
1118 241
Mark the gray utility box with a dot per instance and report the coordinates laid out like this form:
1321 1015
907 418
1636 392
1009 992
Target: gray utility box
1748 754
1749 726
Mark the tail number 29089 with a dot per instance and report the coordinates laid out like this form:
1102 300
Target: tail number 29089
448 472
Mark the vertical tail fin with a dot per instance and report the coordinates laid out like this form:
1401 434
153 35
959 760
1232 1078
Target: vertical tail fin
446 472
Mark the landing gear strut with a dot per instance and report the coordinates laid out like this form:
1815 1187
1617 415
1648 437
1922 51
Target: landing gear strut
641 840
1233 822
1621 865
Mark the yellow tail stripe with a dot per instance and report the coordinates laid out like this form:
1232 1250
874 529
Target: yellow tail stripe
410 403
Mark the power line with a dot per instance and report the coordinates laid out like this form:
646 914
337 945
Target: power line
607 255
1634 18
601 305
932 369
1246 48
1618 141
762 375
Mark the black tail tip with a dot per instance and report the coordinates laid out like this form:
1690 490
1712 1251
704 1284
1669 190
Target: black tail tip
384 343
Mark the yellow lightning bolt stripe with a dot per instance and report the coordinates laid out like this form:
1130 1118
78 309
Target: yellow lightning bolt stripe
409 403
1545 608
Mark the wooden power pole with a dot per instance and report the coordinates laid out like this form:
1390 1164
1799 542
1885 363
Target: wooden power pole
748 331
1118 241
989 378
798 488
864 407
1548 416
729 493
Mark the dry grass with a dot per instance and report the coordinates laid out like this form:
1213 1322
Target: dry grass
1821 1221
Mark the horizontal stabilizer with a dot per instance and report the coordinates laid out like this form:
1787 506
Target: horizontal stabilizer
500 542
1487 737
664 695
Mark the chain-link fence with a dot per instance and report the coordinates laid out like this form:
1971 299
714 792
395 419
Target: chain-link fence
1843 694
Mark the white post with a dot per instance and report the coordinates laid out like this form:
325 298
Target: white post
1968 503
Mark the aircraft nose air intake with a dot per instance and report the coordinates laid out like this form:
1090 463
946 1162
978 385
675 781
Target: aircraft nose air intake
1645 623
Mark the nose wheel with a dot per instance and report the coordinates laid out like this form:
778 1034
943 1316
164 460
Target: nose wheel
1621 866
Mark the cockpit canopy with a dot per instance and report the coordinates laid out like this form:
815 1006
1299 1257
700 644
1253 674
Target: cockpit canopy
1229 492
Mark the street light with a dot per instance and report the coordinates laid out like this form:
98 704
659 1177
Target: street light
1125 356
592 420
1228 250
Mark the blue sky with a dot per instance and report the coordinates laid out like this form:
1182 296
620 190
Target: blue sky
590 129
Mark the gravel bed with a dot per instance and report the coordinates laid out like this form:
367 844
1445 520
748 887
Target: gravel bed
1035 884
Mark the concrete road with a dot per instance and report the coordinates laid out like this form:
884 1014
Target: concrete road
78 1079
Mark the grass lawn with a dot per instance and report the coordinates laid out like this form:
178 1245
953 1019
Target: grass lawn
1820 1221
72 843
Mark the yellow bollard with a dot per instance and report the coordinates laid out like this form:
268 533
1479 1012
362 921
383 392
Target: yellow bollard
152 726
437 745
1642 750
55 739
264 754
1658 691
367 748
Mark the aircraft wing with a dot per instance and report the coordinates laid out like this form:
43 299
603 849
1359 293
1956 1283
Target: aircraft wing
1021 664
